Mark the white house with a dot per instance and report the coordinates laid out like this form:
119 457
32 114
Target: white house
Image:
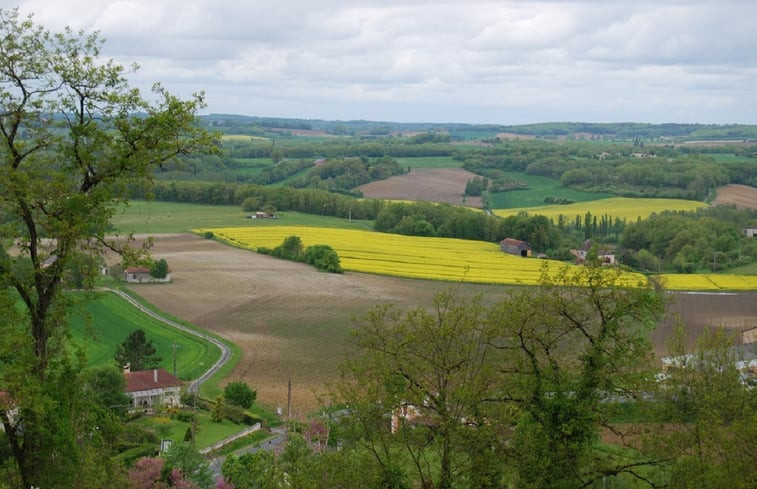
148 388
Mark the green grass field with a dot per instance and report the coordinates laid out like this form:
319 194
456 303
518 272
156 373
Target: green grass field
105 321
142 217
430 162
539 188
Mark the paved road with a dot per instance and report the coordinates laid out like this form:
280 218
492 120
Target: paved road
194 387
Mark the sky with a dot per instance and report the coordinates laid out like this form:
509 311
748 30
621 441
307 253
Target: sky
471 61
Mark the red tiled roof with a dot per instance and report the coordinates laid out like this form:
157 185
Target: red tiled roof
137 270
143 380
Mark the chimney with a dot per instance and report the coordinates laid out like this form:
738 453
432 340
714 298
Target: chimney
155 375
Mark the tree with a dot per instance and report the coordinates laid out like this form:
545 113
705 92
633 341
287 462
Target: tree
73 137
239 393
190 463
427 370
159 269
137 351
218 410
493 394
107 385
706 417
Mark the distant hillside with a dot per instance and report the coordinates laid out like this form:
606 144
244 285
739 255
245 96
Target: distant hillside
240 124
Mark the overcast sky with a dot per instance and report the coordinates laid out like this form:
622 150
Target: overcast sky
504 62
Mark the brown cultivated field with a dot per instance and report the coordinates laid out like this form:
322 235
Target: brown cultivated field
432 184
292 321
742 196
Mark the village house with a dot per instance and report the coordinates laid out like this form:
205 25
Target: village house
515 247
605 257
137 275
150 388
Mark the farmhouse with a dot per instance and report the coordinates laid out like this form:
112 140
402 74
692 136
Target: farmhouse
136 275
605 257
750 231
515 247
148 388
262 215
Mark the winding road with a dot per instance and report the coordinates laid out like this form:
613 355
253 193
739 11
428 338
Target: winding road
194 387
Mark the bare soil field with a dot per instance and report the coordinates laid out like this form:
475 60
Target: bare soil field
432 184
742 196
293 322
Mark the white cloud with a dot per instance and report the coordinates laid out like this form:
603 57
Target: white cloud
475 61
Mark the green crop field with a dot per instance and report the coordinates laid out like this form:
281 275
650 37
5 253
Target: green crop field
539 188
106 321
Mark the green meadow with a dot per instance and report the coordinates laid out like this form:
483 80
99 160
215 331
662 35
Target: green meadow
539 188
142 217
100 324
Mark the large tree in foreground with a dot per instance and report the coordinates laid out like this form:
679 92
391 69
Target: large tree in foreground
516 392
73 137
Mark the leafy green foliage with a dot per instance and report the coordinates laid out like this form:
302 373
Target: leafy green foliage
685 242
525 378
74 137
137 351
159 269
324 258
238 393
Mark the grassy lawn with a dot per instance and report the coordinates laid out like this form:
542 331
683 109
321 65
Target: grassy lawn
539 188
105 321
208 431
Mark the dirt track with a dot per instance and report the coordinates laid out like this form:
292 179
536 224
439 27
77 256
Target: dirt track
292 321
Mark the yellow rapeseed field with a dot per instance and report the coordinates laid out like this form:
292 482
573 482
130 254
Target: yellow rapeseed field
443 258
616 207
405 256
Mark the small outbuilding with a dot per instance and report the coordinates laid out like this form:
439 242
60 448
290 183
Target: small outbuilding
515 247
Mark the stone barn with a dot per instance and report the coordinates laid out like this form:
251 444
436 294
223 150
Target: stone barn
515 247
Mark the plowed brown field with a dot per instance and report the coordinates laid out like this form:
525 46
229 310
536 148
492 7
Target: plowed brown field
742 196
433 184
292 321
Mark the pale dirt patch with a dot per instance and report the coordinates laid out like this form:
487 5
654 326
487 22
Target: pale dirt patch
433 184
292 321
742 196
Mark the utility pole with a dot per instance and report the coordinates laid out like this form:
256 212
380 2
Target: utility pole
289 409
175 346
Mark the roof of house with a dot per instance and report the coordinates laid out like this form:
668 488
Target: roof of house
137 270
143 380
513 242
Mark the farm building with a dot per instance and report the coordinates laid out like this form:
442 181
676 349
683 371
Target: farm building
148 388
750 231
136 275
605 257
515 247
